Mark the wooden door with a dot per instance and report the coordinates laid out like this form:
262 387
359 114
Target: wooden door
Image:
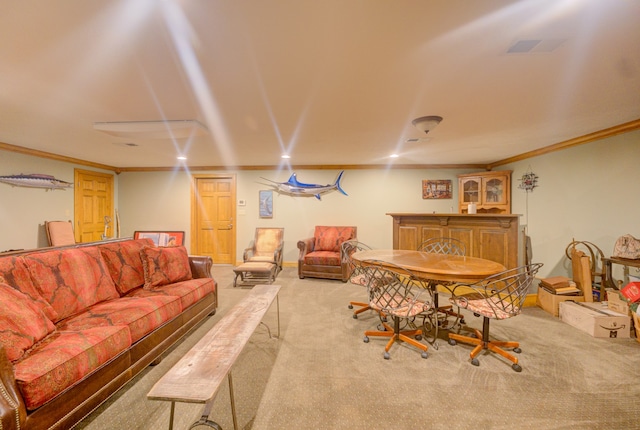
213 230
93 201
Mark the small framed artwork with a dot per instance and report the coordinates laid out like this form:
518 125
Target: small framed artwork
438 189
266 203
162 238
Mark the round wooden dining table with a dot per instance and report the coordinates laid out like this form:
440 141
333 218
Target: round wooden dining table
436 267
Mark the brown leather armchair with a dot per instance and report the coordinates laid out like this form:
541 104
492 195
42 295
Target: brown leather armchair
320 255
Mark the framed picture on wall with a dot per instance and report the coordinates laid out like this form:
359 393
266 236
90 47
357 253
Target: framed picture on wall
438 189
162 238
266 203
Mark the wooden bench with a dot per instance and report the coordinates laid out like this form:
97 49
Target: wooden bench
196 377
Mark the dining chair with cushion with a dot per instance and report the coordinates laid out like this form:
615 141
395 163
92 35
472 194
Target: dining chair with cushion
355 270
433 321
499 297
443 245
401 296
266 247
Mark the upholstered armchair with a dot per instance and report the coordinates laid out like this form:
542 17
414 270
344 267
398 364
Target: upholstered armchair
320 255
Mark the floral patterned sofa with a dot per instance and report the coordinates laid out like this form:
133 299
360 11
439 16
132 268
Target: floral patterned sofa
320 255
78 322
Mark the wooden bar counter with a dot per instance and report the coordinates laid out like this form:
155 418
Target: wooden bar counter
490 236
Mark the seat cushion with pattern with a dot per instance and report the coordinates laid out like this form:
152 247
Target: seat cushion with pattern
189 291
491 307
64 358
141 315
323 258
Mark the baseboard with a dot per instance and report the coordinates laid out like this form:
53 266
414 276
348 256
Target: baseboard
530 300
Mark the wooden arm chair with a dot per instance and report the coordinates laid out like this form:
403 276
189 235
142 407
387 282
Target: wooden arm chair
355 271
596 263
59 233
266 247
400 295
499 297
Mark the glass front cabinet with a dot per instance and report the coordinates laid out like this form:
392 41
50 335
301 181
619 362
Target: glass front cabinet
490 191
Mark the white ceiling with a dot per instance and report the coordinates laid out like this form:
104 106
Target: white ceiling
332 82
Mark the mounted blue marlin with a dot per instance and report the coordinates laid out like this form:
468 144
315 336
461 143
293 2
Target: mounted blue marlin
295 187
36 181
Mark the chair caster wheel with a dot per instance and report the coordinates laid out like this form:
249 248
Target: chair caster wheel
355 317
350 306
516 367
424 354
475 362
452 342
517 350
463 322
387 356
418 337
366 339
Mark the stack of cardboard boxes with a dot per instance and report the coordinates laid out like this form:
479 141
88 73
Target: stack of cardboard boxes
627 301
576 303
552 291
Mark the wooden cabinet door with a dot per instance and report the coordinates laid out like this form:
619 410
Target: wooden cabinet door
470 191
494 190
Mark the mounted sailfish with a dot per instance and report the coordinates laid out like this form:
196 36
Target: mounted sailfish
36 180
295 187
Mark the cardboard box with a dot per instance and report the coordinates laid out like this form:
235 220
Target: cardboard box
596 320
549 302
617 303
632 291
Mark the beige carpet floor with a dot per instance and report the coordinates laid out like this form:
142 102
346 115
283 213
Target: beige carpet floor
321 375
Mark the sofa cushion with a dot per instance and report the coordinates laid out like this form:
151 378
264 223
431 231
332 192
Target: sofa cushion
15 273
323 258
189 291
22 322
72 279
64 358
165 265
124 263
141 314
330 238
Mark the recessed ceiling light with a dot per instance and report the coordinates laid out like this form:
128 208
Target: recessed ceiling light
286 156
181 157
393 156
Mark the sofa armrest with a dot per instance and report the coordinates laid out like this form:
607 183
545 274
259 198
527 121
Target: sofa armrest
200 266
306 246
12 409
